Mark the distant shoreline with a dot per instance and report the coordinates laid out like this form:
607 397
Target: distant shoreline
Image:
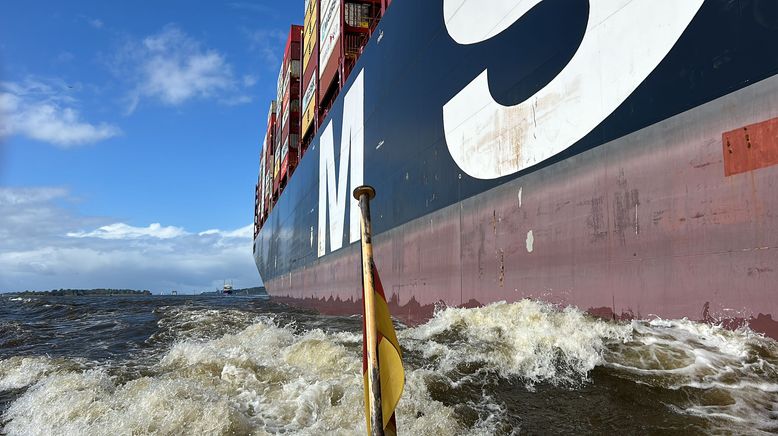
78 293
105 292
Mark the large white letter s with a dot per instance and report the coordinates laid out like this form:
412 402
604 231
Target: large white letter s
624 42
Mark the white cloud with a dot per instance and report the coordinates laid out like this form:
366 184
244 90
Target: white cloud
96 23
22 196
173 68
236 100
249 80
65 56
126 231
45 113
179 78
43 246
269 44
243 232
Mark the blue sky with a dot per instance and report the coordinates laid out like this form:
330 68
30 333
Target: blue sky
129 140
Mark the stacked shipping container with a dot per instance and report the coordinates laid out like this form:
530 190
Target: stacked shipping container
270 139
318 57
309 86
259 195
288 129
264 192
269 151
329 51
345 28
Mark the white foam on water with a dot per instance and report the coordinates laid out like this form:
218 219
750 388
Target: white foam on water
528 339
183 322
18 372
734 374
264 380
270 378
731 375
90 403
24 300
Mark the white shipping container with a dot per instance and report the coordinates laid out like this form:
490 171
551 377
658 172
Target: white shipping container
330 31
272 110
261 186
310 92
268 145
277 137
284 149
277 162
280 85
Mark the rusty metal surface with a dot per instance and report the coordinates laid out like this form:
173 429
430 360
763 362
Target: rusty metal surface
646 225
750 147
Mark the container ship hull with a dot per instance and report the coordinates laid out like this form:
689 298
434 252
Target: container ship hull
510 165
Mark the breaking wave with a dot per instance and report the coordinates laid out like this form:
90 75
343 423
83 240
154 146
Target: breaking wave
730 377
468 371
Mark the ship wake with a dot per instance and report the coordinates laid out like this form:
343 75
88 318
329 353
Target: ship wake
502 368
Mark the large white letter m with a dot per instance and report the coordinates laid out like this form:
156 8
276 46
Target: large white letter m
332 192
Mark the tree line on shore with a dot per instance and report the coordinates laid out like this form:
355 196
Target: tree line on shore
80 292
259 291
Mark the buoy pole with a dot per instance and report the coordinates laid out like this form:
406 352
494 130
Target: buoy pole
364 194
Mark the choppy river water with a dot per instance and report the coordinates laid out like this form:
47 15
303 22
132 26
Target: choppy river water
232 365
